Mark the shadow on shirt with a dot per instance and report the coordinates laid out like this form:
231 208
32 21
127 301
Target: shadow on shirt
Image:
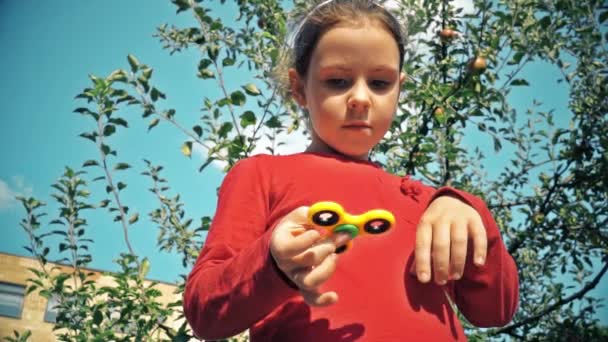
418 295
303 329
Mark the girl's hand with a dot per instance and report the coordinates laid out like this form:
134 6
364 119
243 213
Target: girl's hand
441 240
306 258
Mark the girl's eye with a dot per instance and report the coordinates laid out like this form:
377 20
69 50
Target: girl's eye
380 84
337 83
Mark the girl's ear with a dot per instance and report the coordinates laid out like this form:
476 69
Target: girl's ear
296 86
402 78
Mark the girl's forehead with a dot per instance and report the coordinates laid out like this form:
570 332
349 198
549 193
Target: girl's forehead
354 43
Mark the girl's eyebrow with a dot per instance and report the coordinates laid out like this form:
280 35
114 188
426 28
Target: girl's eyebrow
334 67
341 67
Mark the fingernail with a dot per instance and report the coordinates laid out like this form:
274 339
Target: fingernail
441 282
423 277
342 238
479 261
455 275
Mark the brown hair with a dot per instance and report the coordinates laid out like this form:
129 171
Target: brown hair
326 15
321 17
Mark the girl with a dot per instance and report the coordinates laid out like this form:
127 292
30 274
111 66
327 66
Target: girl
264 268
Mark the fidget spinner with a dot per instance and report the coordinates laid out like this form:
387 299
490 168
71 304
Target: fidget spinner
334 219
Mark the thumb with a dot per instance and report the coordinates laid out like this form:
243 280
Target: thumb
298 216
314 298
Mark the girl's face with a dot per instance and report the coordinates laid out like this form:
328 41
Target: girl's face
351 89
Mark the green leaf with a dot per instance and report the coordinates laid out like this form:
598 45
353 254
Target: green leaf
104 203
155 94
201 13
204 63
198 130
121 166
133 62
134 218
273 122
228 61
91 136
105 149
147 73
169 113
206 163
516 58
187 149
82 110
225 129
274 55
109 130
90 163
153 123
520 82
603 17
119 121
497 144
121 185
223 102
144 83
144 268
182 5
205 74
251 89
545 22
216 25
213 51
238 98
117 76
248 118
97 317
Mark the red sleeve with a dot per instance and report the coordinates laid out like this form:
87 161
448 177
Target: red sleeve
488 295
234 282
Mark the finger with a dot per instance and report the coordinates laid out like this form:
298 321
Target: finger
314 298
313 256
318 275
320 250
458 249
337 240
340 239
286 245
424 237
441 251
480 241
298 215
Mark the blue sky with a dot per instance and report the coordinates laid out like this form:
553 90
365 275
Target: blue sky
49 48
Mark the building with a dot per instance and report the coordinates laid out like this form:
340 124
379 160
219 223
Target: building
33 312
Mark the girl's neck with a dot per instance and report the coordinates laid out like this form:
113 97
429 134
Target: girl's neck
319 146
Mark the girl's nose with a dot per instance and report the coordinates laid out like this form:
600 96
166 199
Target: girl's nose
359 99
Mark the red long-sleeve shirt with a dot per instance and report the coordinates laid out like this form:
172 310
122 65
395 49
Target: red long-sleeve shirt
235 285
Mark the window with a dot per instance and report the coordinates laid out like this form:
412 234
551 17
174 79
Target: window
50 314
11 299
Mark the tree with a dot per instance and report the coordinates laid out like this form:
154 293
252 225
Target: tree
550 199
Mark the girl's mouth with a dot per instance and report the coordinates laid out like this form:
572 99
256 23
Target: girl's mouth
357 125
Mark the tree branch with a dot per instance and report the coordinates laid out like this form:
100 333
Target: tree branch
590 286
121 210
